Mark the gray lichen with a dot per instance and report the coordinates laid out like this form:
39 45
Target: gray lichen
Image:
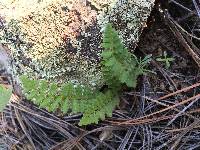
62 41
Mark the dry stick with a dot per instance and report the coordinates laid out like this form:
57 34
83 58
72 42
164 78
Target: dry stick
179 91
166 96
173 27
144 121
54 122
164 74
181 129
160 111
32 112
180 5
196 7
24 127
188 37
193 46
177 110
77 139
188 128
69 143
179 20
4 127
12 119
148 121
182 30
182 112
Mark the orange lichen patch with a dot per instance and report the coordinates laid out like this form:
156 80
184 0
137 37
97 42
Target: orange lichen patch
46 29
79 20
15 9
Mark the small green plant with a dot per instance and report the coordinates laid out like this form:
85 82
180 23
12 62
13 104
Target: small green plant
167 60
118 64
68 97
119 67
5 95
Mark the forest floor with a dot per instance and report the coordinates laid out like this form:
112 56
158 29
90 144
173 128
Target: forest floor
161 113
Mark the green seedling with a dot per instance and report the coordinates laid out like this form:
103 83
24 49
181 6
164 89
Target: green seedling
165 59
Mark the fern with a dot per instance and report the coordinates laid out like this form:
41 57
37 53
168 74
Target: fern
119 66
5 95
68 97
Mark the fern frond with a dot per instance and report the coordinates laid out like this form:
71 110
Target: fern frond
118 64
72 98
99 107
52 96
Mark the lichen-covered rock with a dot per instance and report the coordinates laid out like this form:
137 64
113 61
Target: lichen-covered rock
61 39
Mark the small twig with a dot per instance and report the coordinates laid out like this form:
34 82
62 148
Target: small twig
179 91
196 7
181 39
180 5
182 111
22 125
145 118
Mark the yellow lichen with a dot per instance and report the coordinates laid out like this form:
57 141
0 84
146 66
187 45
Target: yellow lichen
61 39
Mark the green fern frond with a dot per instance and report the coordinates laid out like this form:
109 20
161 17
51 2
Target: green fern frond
68 97
118 64
99 107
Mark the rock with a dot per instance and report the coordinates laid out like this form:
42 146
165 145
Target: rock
60 40
4 59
